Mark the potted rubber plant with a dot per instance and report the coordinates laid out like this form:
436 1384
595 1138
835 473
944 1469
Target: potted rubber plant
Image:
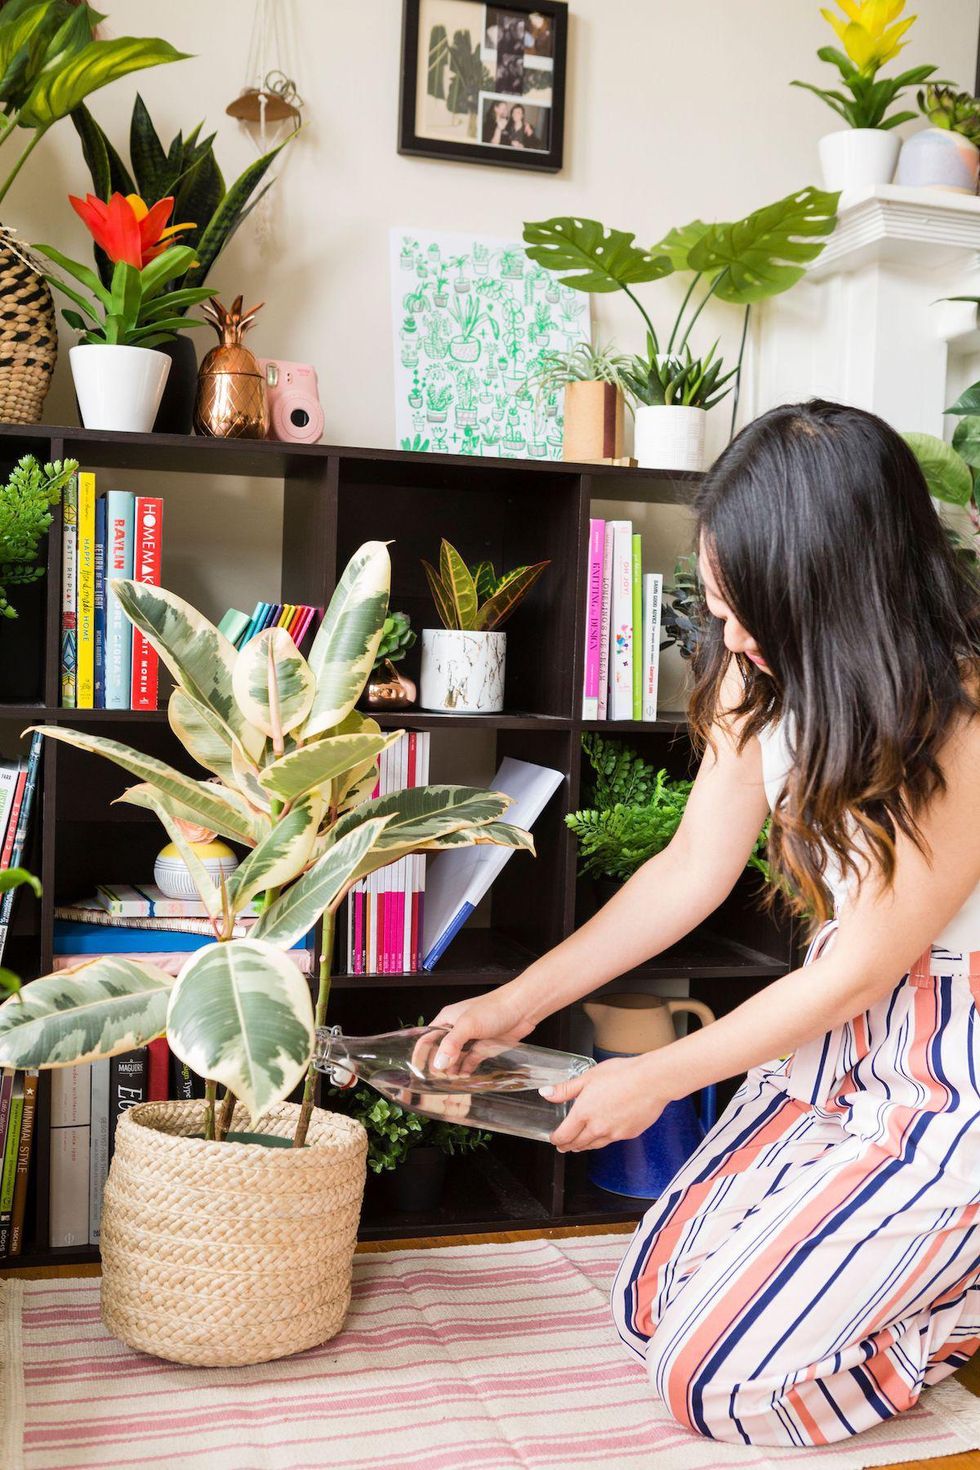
596 386
871 33
232 1228
464 661
947 154
119 379
186 170
739 263
26 498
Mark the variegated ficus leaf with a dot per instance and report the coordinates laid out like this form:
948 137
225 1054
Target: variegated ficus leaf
296 911
501 834
201 801
200 657
312 766
241 1013
273 684
152 800
280 857
246 775
96 1009
347 640
201 734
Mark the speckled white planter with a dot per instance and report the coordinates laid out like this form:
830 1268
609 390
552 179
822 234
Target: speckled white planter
669 438
462 673
938 159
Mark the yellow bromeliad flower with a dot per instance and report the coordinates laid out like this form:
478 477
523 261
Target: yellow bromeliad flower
871 33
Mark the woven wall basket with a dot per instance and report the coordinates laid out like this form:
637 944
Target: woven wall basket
28 335
221 1254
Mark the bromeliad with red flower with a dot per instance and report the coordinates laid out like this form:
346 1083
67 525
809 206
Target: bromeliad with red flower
126 228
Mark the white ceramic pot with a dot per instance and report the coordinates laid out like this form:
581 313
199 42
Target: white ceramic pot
462 672
669 438
173 878
936 158
857 158
118 387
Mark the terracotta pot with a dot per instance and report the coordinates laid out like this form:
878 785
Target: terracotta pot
593 422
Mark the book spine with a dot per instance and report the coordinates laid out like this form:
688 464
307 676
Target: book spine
68 1187
99 617
6 1093
605 622
16 802
147 557
8 1178
23 1163
9 774
69 592
653 585
448 934
85 690
158 1070
621 625
127 1086
637 622
20 835
408 863
181 1080
120 523
593 620
98 1154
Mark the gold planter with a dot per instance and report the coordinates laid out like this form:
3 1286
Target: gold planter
231 401
220 1254
593 422
388 689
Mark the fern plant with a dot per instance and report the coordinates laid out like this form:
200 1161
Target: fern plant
25 515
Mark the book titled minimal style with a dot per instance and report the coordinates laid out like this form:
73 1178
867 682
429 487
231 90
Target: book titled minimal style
456 881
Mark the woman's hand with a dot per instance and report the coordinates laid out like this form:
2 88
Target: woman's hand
501 1013
612 1101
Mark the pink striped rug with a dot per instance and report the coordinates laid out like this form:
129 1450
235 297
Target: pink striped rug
490 1357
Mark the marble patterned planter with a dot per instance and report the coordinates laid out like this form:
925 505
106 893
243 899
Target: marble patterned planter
462 672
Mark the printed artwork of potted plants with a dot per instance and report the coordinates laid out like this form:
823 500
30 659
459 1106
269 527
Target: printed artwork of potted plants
464 661
291 766
672 386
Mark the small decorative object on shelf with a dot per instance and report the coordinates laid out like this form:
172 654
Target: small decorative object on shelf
495 1085
947 155
387 688
118 379
595 385
172 875
463 662
231 392
295 414
866 151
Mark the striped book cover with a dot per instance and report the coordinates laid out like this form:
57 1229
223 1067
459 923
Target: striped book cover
85 694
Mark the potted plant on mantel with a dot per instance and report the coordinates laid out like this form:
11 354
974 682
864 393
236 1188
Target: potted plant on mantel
946 155
215 1248
866 151
463 662
748 261
118 378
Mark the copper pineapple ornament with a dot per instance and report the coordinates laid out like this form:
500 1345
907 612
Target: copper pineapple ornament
231 399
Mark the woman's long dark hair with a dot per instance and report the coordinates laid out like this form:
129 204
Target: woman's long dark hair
819 527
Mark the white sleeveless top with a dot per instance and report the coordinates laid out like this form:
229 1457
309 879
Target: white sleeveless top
960 935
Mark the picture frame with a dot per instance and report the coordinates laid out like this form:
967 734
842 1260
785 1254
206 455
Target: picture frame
484 83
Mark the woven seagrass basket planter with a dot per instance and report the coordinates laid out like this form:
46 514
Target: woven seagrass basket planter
28 335
221 1254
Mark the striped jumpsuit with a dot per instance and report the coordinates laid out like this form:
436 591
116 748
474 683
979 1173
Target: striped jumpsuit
816 1262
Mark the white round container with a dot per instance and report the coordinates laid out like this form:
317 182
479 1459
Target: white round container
462 672
936 158
858 158
118 387
669 438
171 875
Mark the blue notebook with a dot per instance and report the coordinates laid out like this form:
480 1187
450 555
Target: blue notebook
73 937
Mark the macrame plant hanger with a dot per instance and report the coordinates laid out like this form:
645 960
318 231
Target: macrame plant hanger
268 106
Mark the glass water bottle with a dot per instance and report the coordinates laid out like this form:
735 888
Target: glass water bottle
493 1084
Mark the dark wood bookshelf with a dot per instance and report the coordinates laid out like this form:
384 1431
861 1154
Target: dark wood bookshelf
332 499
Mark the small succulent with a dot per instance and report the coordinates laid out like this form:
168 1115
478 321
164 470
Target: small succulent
582 363
679 380
958 112
475 599
684 611
396 639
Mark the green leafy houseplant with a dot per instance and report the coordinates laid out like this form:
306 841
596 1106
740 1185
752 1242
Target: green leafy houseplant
15 878
475 599
670 380
50 62
635 812
956 112
871 34
293 765
582 363
397 637
393 1133
684 608
25 515
185 170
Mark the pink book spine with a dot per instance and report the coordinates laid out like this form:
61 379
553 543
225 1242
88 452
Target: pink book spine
357 966
605 612
384 874
408 863
593 622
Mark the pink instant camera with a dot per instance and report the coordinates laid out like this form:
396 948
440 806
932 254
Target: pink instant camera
295 414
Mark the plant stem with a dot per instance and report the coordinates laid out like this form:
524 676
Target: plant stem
226 1114
639 306
323 995
687 296
36 138
210 1093
703 303
738 369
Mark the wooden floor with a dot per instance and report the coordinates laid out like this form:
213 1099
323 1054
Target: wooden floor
968 1376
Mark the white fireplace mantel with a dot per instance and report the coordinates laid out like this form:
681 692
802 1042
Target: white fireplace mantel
869 324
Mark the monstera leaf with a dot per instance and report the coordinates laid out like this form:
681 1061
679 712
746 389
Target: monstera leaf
593 257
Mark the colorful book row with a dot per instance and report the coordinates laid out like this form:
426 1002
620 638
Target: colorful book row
18 789
296 617
622 627
106 663
384 910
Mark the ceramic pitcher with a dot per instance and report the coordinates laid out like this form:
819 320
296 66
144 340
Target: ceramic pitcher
628 1025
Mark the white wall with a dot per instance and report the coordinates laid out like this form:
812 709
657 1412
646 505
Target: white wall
674 111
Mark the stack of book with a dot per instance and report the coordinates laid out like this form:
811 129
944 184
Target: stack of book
296 617
384 910
106 663
18 1103
18 787
622 627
